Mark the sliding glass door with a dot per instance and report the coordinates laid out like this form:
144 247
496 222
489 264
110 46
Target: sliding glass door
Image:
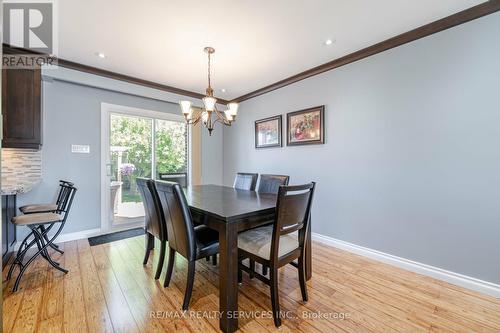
140 143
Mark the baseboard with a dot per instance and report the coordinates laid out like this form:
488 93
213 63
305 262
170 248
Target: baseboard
468 282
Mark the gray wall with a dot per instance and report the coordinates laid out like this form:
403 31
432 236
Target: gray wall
411 164
72 115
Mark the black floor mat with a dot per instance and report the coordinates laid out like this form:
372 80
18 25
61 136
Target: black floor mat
103 239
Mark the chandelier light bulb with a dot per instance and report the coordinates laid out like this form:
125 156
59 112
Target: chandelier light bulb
209 103
185 107
228 114
204 117
233 109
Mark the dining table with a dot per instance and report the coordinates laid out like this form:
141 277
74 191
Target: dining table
230 211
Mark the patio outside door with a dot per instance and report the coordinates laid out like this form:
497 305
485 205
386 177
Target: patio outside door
138 143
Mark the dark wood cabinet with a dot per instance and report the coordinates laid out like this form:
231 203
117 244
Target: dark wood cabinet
8 229
22 108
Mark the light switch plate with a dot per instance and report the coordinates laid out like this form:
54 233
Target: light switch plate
80 149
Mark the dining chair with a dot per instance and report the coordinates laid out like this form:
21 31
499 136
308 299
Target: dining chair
40 224
245 181
272 183
281 243
154 222
191 242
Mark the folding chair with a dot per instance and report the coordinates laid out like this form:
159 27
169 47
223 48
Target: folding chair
40 225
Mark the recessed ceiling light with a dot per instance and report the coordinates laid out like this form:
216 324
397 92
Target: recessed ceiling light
223 90
100 55
328 42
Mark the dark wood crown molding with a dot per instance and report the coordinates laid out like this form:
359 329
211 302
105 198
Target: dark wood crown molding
464 16
7 49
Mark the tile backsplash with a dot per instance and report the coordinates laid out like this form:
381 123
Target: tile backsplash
21 166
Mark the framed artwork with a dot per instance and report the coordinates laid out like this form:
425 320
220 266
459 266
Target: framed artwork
306 127
268 132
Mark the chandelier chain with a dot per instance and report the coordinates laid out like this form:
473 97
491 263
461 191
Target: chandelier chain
209 85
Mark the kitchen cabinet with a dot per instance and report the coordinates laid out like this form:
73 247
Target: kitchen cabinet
8 229
22 108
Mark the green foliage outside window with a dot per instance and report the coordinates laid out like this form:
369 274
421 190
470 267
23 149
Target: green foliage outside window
135 134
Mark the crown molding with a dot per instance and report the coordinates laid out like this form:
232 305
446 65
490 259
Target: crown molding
448 22
7 49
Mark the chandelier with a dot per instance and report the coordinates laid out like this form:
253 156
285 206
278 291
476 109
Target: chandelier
209 115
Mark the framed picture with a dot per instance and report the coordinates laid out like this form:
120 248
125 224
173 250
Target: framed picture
268 132
306 127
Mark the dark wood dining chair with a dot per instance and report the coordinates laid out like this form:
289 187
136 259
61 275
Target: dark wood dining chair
272 183
191 242
281 243
154 222
245 181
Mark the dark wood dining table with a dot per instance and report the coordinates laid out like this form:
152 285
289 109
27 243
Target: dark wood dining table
230 211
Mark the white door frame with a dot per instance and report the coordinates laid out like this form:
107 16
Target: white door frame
106 110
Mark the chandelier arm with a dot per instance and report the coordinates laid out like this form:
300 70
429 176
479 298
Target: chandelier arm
221 117
195 120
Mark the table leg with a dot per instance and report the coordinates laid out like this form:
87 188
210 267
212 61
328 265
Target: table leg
228 278
308 254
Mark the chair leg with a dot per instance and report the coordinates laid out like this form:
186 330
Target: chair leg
189 285
302 278
214 260
20 255
275 297
252 268
161 259
150 244
45 253
55 247
207 258
264 270
240 272
43 247
38 238
170 266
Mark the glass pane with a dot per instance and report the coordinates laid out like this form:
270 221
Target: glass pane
171 151
131 156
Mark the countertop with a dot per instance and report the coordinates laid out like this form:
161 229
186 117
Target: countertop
17 187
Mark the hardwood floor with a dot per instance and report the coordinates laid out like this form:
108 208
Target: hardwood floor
108 290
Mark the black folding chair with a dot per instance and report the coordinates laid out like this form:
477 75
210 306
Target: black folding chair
46 208
40 225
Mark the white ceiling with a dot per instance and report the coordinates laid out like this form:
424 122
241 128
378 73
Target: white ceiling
257 42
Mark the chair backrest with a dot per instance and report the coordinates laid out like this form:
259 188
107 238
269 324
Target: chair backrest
177 177
180 229
61 188
245 181
293 209
67 194
272 183
154 224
